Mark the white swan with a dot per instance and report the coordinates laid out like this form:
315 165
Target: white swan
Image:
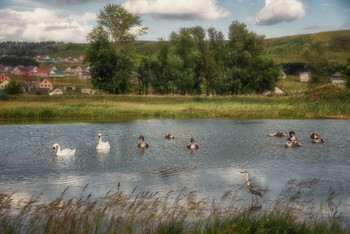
65 152
102 145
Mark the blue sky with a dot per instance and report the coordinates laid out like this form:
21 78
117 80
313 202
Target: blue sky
71 20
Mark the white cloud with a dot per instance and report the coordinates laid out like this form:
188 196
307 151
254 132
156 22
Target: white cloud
277 11
43 25
177 9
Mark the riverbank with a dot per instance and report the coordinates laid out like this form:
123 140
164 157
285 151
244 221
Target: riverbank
322 103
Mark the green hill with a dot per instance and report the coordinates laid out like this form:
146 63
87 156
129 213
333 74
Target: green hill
282 49
289 49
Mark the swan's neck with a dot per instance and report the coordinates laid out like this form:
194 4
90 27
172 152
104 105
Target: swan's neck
58 149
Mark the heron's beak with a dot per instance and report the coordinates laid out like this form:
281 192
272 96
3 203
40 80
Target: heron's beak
243 172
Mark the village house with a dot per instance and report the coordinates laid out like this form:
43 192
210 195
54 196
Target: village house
336 78
88 91
84 75
304 77
45 83
4 76
57 91
40 72
56 74
31 85
69 88
4 84
76 69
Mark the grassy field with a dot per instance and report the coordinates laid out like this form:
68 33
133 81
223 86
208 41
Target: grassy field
329 101
290 48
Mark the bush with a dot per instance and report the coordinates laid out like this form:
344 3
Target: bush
14 88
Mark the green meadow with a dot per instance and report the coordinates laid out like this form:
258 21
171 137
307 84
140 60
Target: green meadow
328 101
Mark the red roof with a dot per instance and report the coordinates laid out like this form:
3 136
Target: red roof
40 70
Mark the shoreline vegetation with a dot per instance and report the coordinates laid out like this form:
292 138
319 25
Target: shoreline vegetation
324 102
173 212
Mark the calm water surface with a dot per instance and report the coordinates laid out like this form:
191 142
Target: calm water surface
28 166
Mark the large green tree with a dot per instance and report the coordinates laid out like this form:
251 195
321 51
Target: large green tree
317 62
346 73
103 61
112 72
247 68
121 26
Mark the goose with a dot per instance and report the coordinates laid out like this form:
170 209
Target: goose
192 145
314 135
292 144
278 134
143 143
318 140
292 136
169 136
64 152
102 145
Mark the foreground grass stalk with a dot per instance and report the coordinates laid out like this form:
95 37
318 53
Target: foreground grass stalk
174 212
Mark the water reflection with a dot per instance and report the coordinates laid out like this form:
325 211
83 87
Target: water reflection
28 166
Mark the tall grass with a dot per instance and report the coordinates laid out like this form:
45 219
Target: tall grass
316 103
173 212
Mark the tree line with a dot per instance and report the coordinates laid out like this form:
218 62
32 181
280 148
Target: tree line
30 49
193 61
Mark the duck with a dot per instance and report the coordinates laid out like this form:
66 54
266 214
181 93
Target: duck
192 145
143 143
277 134
169 136
292 144
292 136
102 145
64 152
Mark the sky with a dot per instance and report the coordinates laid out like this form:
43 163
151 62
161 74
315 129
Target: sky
72 20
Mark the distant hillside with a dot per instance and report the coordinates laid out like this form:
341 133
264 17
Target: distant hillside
283 49
289 49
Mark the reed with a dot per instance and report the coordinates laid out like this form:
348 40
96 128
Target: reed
172 212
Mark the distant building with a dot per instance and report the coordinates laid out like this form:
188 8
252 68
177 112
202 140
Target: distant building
336 78
4 76
88 91
56 74
46 84
84 75
4 84
304 77
282 75
40 72
57 91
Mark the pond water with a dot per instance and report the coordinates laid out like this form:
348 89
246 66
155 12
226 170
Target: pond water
28 166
